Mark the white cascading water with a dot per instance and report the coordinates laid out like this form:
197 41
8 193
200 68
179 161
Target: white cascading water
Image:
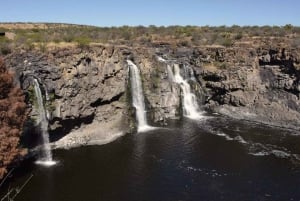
190 104
46 158
138 97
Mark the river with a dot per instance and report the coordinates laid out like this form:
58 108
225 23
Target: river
215 158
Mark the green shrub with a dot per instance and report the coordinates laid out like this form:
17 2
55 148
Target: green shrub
288 27
227 42
68 38
238 36
82 42
5 49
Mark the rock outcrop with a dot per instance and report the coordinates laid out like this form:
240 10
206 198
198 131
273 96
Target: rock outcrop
254 88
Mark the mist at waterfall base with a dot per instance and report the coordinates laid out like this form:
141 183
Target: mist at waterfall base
190 160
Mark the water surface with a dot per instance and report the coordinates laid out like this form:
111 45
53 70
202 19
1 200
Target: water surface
212 159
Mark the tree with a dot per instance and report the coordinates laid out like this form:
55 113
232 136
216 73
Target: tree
12 116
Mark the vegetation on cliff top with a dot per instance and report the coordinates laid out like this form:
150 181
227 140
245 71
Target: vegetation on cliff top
29 35
12 117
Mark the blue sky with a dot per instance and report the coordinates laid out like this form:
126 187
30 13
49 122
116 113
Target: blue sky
153 12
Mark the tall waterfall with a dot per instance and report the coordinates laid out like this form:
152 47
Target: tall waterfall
190 104
46 156
138 97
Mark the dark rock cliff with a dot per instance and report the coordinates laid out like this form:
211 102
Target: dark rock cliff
87 90
246 85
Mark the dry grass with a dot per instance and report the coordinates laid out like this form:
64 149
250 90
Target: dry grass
26 26
211 67
52 45
23 26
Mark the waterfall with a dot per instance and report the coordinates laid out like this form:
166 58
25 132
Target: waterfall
138 97
46 156
161 59
190 104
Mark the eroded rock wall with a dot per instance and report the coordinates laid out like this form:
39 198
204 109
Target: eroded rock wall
252 88
87 91
162 95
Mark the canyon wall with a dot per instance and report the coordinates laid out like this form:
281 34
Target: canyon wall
87 91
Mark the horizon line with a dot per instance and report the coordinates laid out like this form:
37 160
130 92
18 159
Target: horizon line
154 25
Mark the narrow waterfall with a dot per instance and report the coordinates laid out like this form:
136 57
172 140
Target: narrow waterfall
46 156
138 97
190 104
169 68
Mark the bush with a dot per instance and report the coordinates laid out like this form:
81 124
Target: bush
227 42
5 49
13 114
68 38
238 36
82 42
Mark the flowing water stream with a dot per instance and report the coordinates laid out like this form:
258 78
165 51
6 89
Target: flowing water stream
138 97
46 155
189 103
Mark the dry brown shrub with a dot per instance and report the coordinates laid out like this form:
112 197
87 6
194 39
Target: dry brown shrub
12 117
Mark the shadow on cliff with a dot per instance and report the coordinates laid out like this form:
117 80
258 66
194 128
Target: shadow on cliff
67 125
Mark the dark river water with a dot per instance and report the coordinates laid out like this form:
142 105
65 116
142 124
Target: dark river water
212 159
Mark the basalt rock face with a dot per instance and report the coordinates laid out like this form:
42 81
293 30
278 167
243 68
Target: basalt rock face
87 91
248 86
161 94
